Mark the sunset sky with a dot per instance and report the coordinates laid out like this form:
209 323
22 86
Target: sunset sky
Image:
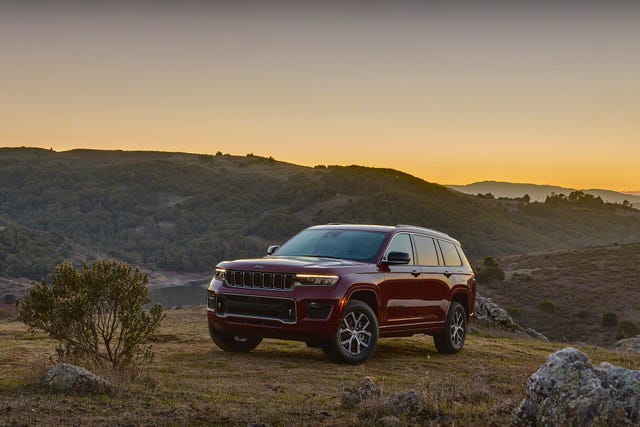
540 93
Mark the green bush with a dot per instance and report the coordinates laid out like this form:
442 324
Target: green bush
95 313
627 329
547 306
609 320
490 274
582 314
9 299
490 261
515 312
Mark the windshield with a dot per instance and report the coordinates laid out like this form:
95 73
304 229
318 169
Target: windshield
355 245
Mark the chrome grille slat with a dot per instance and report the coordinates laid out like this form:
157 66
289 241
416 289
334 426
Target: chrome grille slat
260 280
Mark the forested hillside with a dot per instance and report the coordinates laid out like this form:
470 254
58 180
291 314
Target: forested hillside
186 212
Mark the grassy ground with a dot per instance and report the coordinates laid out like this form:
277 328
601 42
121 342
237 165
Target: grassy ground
279 383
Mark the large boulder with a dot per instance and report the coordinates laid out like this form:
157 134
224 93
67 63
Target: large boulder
68 378
569 391
629 344
490 313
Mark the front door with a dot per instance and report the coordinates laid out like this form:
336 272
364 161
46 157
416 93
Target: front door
401 288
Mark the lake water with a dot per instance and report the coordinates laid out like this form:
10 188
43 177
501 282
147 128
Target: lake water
174 296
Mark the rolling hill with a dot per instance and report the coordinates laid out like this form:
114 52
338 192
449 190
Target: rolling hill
539 193
185 212
565 294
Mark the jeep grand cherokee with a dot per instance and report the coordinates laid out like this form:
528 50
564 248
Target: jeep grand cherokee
341 287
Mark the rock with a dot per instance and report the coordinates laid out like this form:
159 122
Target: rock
490 313
535 334
365 389
629 344
389 421
569 390
68 378
502 408
409 403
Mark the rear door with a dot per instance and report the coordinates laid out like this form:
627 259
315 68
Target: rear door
435 286
453 270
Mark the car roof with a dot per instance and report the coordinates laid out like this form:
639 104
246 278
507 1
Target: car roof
386 229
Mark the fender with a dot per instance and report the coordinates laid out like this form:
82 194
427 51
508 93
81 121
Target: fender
361 287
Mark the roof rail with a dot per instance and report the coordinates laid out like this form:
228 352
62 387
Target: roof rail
334 223
423 228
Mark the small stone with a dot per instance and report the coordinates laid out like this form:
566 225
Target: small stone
629 344
365 389
409 403
389 421
68 378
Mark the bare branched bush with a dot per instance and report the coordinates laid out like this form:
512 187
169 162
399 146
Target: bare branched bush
96 313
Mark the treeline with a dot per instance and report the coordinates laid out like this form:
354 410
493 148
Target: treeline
187 212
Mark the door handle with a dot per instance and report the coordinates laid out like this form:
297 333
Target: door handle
448 273
415 273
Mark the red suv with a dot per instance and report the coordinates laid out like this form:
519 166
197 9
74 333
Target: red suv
341 287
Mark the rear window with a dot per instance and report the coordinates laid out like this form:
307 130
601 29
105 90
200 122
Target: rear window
449 253
426 249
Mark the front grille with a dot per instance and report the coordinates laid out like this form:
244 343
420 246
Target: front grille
257 307
260 280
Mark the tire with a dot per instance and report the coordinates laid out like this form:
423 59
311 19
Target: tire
451 339
357 336
234 344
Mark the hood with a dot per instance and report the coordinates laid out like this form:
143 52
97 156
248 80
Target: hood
276 264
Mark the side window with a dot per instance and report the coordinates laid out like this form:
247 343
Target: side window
426 249
401 243
450 253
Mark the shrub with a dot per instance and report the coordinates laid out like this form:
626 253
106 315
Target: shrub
9 299
609 319
547 306
95 313
515 312
489 274
627 329
490 261
582 314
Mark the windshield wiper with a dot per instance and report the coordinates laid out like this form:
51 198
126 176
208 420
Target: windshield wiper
323 256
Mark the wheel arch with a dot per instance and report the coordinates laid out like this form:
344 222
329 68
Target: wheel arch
461 296
366 294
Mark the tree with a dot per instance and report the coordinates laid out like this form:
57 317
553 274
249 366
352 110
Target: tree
96 313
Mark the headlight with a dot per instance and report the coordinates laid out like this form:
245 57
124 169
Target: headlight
316 279
221 274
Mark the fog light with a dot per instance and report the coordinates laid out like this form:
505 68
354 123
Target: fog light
211 302
318 310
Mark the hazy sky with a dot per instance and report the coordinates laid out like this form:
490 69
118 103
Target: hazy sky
538 93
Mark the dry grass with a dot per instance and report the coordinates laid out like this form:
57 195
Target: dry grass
280 383
564 294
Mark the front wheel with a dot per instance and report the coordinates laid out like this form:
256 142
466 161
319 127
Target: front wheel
451 339
234 344
357 336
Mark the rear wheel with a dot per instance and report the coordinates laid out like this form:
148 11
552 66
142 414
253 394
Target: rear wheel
357 336
234 344
451 339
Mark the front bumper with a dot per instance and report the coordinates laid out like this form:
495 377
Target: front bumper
305 313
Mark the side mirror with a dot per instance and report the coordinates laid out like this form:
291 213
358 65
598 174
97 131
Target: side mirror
272 249
397 258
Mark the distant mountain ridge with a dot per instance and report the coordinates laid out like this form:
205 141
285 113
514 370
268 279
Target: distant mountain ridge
538 193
